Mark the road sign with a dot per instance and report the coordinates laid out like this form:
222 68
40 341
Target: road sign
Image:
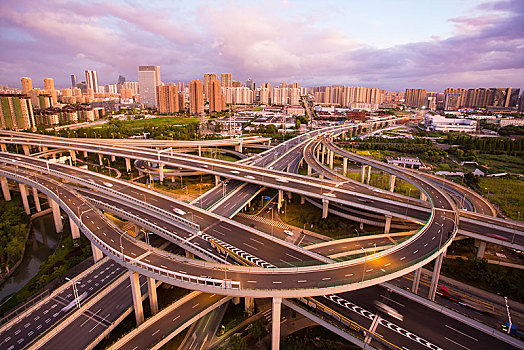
266 197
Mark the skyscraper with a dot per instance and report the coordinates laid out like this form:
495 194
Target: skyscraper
208 78
196 97
148 80
73 81
92 80
226 80
49 87
415 97
167 99
250 84
16 112
27 85
121 79
216 98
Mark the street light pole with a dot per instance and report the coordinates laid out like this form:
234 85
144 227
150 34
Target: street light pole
365 260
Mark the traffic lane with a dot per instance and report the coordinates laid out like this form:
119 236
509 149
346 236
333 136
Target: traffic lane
44 317
169 322
492 232
365 243
203 331
81 331
231 204
435 328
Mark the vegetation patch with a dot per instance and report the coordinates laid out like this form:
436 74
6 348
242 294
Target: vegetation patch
13 231
506 192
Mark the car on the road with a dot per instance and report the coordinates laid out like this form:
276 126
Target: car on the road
179 211
234 172
108 184
289 233
253 225
249 177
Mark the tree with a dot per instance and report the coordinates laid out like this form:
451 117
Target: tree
237 343
258 330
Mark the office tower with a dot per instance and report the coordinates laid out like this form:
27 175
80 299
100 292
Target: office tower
126 94
49 87
295 86
92 80
415 97
500 97
73 81
216 98
226 80
514 97
196 97
181 102
452 102
263 96
148 80
236 83
132 85
250 84
121 79
208 78
16 112
27 85
462 98
167 99
181 86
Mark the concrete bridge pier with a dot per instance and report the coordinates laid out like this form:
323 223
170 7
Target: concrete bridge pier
275 323
344 166
435 277
423 196
392 179
75 232
56 215
249 305
363 173
113 158
318 152
416 280
153 299
100 160
325 208
481 245
72 153
85 154
134 278
387 226
5 188
26 150
217 180
238 147
23 194
368 175
302 199
280 199
36 200
161 171
309 170
331 159
189 255
97 253
128 164
323 154
3 147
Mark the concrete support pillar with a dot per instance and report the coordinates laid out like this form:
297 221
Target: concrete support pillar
368 175
128 164
416 280
3 147
280 199
481 249
199 151
75 232
217 180
435 277
275 323
37 200
309 170
56 215
72 153
172 179
249 305
23 194
318 152
85 154
161 171
423 196
344 166
100 160
361 226
323 154
236 300
325 208
363 173
113 158
331 159
387 226
134 278
189 255
392 179
5 189
137 229
45 149
153 299
26 150
97 253
289 195
302 199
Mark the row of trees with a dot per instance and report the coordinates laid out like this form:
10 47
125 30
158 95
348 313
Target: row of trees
13 229
486 144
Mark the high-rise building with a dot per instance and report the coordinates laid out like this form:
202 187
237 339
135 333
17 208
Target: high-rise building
217 102
92 80
208 78
27 85
16 112
121 79
236 83
49 86
250 84
148 80
415 97
514 97
196 97
73 81
226 80
131 85
167 99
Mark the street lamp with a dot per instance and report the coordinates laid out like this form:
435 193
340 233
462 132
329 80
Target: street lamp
75 291
365 260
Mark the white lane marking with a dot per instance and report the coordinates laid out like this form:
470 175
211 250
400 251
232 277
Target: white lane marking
302 281
252 281
277 282
454 342
158 330
415 252
402 258
464 334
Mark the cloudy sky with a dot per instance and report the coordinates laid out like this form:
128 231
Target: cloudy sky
391 44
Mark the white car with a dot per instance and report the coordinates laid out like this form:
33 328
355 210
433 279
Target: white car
250 177
289 233
279 179
179 211
234 172
108 184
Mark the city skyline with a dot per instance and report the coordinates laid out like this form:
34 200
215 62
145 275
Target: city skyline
394 47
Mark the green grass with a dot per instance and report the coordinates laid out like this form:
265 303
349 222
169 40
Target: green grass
502 163
155 122
506 192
